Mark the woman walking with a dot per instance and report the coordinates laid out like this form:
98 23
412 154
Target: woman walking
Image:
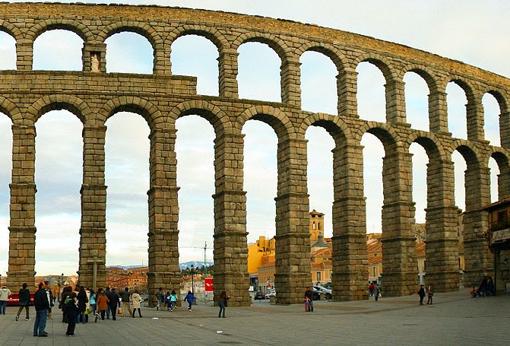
430 293
222 303
102 303
92 302
136 300
82 305
173 301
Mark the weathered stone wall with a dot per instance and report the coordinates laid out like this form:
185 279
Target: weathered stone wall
93 96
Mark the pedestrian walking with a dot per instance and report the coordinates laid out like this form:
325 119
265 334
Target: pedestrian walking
136 299
377 291
24 301
173 301
92 302
4 297
72 310
124 296
222 303
160 296
42 305
102 303
66 291
421 293
113 303
51 298
190 297
108 294
82 305
430 293
308 300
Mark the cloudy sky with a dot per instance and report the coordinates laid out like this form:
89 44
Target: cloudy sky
474 32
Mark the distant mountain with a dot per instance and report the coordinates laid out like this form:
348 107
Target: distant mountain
196 264
185 265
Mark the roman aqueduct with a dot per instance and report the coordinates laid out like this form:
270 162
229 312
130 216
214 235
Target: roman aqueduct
161 98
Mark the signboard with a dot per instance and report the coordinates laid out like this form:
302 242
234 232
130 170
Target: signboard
208 283
500 236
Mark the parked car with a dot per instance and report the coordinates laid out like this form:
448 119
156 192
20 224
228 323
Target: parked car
323 291
259 295
14 299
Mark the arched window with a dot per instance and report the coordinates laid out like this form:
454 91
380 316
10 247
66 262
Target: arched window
417 107
5 180
7 51
457 118
58 50
127 178
129 52
197 56
494 172
373 152
58 177
318 83
259 72
371 92
491 112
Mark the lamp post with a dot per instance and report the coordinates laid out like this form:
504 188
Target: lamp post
192 283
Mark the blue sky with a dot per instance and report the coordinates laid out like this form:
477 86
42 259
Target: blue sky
441 27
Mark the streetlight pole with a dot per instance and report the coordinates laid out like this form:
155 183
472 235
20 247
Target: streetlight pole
192 283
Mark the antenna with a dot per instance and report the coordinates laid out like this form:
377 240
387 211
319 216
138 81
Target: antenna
205 255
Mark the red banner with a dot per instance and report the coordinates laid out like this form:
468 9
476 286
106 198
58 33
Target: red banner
208 283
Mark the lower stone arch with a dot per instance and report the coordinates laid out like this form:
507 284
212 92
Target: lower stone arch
149 111
212 113
58 102
272 116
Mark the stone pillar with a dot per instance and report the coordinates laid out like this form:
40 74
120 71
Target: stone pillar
504 129
477 257
163 234
438 112
504 183
22 209
24 55
94 57
400 268
347 85
230 244
293 273
395 102
227 67
442 242
162 59
474 113
290 77
93 208
350 271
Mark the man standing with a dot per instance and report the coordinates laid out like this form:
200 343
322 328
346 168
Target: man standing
50 297
125 302
113 303
42 305
24 301
421 293
160 297
4 297
309 300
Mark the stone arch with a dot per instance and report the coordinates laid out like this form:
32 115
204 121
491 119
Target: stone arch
502 102
64 24
470 155
9 109
213 114
388 137
382 63
504 173
430 143
335 126
272 116
500 158
10 29
142 29
331 52
143 107
212 34
468 90
49 103
273 41
427 76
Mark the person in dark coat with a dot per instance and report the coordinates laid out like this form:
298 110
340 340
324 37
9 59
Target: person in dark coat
66 291
421 293
113 303
190 297
42 305
82 305
222 303
308 300
71 310
24 301
108 294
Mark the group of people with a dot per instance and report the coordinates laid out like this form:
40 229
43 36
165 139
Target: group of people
422 292
169 300
374 290
486 288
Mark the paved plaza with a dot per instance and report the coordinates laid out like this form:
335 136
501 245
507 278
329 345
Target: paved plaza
454 319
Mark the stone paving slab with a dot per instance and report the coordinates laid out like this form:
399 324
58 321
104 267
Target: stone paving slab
454 319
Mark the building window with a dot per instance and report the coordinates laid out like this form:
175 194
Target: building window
319 278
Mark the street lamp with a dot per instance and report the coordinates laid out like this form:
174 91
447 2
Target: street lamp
192 283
